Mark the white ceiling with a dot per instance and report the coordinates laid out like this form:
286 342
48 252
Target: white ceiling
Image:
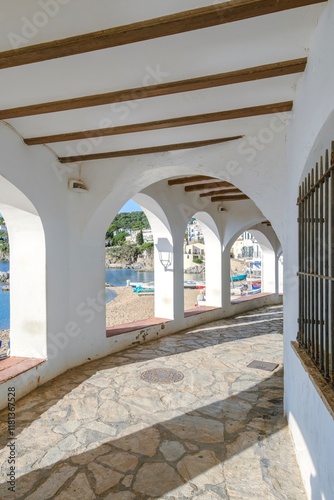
262 40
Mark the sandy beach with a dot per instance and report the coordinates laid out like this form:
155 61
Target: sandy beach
126 307
129 306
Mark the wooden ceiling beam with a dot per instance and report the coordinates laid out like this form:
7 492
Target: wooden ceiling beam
221 192
204 82
230 198
180 22
208 185
144 151
187 180
232 114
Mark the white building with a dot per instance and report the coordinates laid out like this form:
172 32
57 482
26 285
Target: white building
194 251
246 246
254 123
194 231
147 235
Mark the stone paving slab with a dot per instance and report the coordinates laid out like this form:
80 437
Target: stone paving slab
102 431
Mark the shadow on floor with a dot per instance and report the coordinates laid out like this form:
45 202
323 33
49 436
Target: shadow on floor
175 453
30 408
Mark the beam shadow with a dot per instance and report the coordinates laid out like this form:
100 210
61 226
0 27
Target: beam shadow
29 408
206 438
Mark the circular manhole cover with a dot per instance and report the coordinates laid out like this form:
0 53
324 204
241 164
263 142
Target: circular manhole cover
162 376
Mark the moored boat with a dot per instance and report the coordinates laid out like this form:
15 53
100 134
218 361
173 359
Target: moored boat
136 284
140 289
144 287
239 277
200 285
189 284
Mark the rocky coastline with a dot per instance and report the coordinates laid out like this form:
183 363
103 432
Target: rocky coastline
4 277
4 339
137 266
136 262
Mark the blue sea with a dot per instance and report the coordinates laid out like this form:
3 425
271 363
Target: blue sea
4 300
115 277
118 277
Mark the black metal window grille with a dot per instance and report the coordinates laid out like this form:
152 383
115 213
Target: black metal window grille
316 265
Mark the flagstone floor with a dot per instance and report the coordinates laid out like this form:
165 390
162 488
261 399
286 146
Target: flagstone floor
211 428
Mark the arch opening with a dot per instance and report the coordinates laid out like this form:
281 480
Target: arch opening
147 247
194 265
26 315
202 262
254 264
4 290
245 266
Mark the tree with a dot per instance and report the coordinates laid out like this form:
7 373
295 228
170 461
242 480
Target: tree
133 221
119 239
140 238
109 235
197 260
4 243
148 246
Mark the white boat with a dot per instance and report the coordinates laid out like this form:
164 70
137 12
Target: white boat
254 279
134 284
189 284
150 285
141 284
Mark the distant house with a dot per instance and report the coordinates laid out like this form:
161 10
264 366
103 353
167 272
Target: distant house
195 249
147 235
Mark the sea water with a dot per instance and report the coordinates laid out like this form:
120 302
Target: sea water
119 277
4 300
114 277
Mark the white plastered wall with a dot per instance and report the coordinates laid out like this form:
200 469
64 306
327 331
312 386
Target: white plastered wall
309 134
213 260
168 300
27 282
34 209
270 247
75 224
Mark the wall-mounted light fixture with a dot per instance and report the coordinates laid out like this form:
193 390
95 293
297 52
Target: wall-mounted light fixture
165 250
77 186
165 259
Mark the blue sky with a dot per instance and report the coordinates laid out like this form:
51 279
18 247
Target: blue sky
130 206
